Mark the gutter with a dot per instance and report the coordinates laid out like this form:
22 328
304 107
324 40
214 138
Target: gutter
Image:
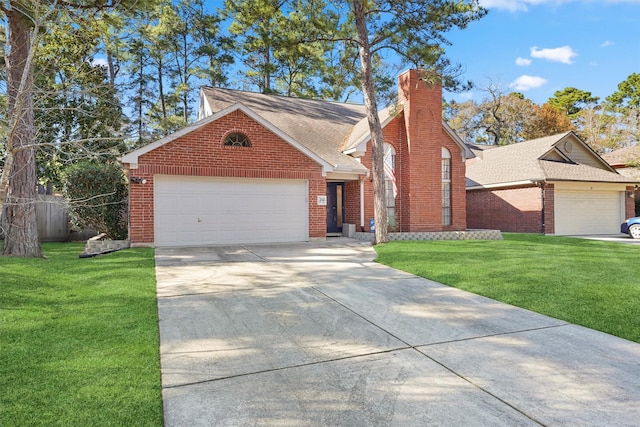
503 185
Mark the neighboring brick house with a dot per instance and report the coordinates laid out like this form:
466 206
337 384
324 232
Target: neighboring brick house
264 168
552 185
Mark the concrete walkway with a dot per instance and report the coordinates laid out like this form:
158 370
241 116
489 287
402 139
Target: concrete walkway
316 334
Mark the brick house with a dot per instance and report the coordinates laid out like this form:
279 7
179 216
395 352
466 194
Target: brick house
552 185
265 168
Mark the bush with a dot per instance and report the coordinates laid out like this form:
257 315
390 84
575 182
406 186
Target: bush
97 194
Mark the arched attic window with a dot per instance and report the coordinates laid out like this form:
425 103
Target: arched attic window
237 139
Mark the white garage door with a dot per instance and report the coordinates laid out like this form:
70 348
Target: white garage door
588 212
204 210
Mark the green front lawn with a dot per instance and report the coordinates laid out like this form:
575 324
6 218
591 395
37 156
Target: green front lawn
590 283
79 339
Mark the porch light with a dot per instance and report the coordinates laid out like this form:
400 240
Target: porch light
138 180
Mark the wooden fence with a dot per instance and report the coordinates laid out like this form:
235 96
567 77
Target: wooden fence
53 221
53 218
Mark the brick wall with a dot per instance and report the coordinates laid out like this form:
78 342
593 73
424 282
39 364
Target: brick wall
514 210
416 134
352 203
421 157
201 153
549 209
418 138
630 202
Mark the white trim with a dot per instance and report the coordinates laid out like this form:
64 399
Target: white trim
588 186
558 183
466 151
586 146
361 205
361 145
132 157
204 108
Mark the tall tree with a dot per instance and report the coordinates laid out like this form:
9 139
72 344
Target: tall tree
628 94
415 31
571 100
77 111
26 21
278 50
596 127
213 49
505 118
624 104
546 120
18 181
261 27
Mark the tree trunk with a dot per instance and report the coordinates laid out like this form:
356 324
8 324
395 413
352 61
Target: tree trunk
19 220
377 140
161 88
112 68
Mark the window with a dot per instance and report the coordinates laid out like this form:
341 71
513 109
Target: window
237 139
446 187
390 184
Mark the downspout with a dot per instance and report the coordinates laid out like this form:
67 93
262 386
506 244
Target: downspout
542 186
362 206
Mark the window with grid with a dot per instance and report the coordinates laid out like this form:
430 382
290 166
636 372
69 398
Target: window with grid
446 187
237 139
390 184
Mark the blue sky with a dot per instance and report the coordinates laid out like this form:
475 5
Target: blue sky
537 47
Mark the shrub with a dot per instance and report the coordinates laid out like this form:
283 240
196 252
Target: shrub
97 194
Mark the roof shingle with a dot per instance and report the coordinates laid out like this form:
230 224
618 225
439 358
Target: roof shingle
525 162
320 126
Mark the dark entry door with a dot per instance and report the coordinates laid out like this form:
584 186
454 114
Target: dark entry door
335 206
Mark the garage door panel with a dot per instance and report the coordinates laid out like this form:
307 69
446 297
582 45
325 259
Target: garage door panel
206 210
587 212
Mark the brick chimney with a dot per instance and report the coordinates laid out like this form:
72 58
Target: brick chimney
421 166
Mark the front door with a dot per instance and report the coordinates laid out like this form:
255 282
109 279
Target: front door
335 206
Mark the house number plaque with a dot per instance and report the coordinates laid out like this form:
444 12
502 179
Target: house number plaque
322 200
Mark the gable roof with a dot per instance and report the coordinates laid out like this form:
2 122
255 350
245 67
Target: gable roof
319 126
325 131
544 159
360 134
132 157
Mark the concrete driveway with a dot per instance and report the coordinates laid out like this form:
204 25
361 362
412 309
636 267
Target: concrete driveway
616 238
316 334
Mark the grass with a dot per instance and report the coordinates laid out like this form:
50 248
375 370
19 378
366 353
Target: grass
79 339
590 283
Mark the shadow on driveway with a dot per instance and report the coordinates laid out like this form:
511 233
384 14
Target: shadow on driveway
317 334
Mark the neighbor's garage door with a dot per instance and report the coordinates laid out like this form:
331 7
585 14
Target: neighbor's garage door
204 210
587 212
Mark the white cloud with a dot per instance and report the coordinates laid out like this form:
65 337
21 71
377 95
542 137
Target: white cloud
559 54
523 5
102 62
466 95
523 62
607 43
525 82
508 5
